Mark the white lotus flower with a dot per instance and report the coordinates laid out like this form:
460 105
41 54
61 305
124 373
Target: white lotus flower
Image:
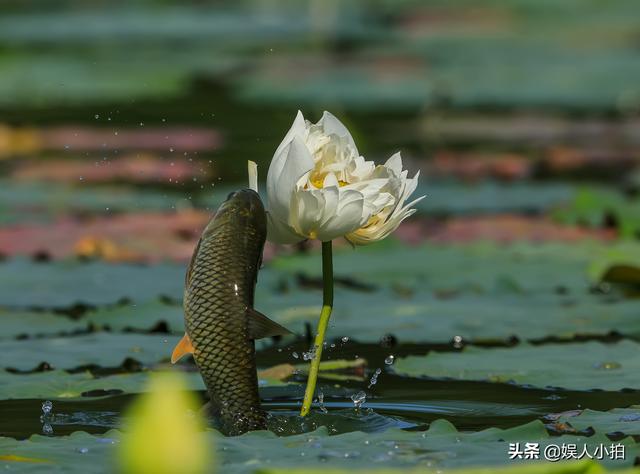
319 187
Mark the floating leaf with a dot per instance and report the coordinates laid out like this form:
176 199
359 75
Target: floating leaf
584 366
441 446
103 349
30 284
58 384
618 421
24 323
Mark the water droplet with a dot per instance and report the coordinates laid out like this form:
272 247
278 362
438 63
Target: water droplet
390 359
457 342
321 402
374 377
47 429
47 406
96 116
311 354
345 339
295 355
359 398
83 450
81 178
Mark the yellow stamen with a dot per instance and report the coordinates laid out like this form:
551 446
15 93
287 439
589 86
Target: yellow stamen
318 180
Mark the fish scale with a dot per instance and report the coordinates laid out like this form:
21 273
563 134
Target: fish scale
219 290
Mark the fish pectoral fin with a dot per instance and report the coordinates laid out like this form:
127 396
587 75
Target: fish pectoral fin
183 348
261 326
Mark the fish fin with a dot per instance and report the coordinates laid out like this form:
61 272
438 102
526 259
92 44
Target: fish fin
261 326
183 348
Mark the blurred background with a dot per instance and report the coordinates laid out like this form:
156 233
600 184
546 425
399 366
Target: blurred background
119 119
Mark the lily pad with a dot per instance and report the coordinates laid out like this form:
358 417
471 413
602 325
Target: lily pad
491 197
24 323
624 421
441 446
484 267
575 366
53 198
58 384
80 452
425 317
566 467
141 316
103 349
29 284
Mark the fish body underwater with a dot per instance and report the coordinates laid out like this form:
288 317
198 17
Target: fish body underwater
221 323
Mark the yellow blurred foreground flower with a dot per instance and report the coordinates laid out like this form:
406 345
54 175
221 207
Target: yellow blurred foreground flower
319 187
164 433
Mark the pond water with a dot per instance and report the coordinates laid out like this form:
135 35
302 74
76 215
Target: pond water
393 402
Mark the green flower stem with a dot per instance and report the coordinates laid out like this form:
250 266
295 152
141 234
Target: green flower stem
325 314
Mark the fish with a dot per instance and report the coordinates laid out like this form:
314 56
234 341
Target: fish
220 320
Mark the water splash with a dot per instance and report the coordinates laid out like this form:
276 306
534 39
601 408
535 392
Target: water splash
47 406
45 418
374 378
390 359
311 354
359 399
323 409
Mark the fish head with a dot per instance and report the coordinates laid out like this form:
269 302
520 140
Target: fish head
243 207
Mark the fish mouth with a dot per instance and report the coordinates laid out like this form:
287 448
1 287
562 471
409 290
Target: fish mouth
245 199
